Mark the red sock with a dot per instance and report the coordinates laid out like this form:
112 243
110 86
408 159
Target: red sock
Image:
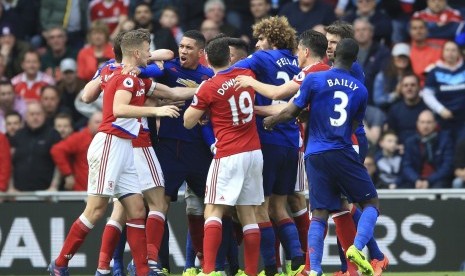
307 262
302 222
74 240
154 227
251 249
211 243
110 239
138 244
345 232
196 228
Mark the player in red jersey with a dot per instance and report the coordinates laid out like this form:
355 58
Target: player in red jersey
235 175
112 12
147 166
111 163
311 51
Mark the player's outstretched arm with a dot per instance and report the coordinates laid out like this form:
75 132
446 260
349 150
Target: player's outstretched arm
122 108
192 117
290 112
91 90
269 110
274 92
176 94
161 54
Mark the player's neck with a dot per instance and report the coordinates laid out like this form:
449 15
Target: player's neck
219 69
311 61
340 65
129 61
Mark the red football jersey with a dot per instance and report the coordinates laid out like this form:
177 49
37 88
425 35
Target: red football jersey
231 112
108 12
317 67
127 128
143 139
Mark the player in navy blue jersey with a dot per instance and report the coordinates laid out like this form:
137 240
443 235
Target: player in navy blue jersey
337 104
345 232
183 154
274 63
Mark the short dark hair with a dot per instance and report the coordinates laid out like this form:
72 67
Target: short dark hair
143 4
410 74
238 44
197 36
117 46
6 82
13 113
346 51
341 28
386 133
315 41
30 52
218 53
64 115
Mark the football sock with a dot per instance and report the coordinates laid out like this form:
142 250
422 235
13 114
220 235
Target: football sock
342 256
251 252
196 228
302 222
226 233
315 242
155 226
267 240
110 239
289 237
138 244
211 243
119 250
372 245
74 240
164 253
190 252
365 227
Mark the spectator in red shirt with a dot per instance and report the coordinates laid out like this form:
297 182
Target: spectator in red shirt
5 163
29 83
112 12
424 52
443 22
70 155
96 52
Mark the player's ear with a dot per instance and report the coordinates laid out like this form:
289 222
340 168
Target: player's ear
202 52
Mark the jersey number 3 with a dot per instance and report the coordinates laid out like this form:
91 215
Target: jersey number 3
245 107
340 108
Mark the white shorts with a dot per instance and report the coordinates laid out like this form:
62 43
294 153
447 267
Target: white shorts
148 168
111 166
301 183
236 180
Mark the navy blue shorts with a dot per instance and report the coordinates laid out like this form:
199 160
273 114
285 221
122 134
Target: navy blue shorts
279 169
337 172
362 146
183 161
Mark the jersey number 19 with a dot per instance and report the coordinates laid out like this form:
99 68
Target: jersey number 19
245 112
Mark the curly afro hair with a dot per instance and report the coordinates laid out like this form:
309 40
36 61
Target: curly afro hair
277 31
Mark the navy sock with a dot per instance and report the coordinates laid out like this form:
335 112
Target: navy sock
365 227
233 255
119 250
164 253
342 257
315 242
267 240
221 254
190 252
289 238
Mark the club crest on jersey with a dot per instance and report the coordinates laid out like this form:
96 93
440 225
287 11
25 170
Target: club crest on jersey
195 100
128 82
